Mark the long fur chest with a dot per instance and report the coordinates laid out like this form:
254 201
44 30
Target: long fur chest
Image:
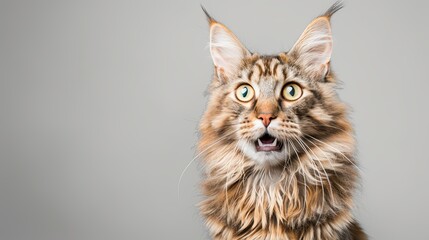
288 203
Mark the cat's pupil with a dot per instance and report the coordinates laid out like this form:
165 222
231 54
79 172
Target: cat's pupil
291 91
244 92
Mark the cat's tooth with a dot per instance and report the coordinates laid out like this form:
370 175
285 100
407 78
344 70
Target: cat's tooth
274 143
259 142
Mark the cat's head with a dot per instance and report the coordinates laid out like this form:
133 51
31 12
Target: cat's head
269 107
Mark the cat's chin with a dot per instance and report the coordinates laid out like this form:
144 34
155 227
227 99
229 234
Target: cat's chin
273 153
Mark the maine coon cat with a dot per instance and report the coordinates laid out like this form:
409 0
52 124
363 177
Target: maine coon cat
277 146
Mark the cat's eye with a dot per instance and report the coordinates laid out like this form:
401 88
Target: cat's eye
292 92
245 93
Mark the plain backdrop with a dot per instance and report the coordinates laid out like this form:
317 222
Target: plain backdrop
100 103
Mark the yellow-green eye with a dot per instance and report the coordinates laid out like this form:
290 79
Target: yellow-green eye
292 92
244 93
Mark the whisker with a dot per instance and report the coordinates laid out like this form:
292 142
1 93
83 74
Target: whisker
337 151
307 153
324 153
287 160
227 177
199 154
321 181
334 127
302 169
323 168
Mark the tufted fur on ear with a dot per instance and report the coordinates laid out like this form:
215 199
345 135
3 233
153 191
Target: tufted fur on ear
312 52
226 50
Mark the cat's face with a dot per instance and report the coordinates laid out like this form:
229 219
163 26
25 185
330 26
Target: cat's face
270 107
266 106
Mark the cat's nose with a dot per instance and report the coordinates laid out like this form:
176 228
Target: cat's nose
266 118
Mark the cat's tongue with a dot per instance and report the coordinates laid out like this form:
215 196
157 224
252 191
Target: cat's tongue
267 143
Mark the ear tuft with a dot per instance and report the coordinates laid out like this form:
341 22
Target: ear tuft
333 9
210 20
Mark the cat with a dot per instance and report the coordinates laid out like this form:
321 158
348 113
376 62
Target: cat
276 144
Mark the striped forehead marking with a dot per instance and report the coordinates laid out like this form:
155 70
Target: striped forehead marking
266 67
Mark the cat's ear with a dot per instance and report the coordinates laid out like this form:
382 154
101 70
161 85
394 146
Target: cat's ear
226 50
312 52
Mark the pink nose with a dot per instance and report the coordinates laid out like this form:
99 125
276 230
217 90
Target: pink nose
266 118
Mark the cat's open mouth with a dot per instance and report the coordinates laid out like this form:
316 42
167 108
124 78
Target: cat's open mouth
268 143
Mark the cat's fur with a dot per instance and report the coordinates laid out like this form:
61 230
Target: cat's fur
305 191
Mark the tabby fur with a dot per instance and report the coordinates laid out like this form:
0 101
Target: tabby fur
303 192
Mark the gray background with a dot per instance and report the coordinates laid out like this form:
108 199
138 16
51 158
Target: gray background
100 101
